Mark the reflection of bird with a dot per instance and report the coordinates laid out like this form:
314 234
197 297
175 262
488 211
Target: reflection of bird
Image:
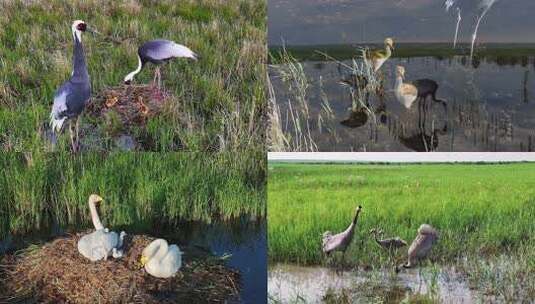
378 57
421 245
357 118
71 97
390 243
340 241
479 7
407 93
158 52
101 243
161 260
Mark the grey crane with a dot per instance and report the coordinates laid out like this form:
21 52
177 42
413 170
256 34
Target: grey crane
340 241
158 52
71 97
389 244
479 7
422 244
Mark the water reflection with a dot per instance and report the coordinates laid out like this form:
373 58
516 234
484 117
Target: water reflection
460 109
243 239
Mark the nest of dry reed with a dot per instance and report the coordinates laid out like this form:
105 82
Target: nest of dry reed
133 104
57 273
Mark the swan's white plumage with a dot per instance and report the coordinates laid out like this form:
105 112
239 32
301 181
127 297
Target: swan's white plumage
102 243
161 260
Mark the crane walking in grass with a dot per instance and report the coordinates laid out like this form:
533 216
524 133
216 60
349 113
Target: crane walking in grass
422 244
479 7
377 58
158 52
342 240
72 96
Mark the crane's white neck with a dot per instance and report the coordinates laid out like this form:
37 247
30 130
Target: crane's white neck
399 82
76 34
94 216
156 250
130 76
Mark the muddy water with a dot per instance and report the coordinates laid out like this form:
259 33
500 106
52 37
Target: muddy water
490 107
297 284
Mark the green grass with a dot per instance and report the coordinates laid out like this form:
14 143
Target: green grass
222 96
40 191
482 212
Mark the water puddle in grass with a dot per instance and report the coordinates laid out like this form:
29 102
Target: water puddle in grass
489 107
298 284
242 240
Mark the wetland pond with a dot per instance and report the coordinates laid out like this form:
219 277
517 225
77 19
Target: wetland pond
242 243
298 284
490 105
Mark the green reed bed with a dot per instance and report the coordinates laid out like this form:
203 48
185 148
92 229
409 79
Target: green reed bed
484 214
218 101
39 191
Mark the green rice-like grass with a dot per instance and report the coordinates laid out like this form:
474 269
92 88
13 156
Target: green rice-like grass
482 210
40 191
219 99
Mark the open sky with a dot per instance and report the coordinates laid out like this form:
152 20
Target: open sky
310 22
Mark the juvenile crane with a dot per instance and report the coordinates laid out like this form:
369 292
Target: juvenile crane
378 57
422 244
407 93
390 244
158 52
72 96
340 241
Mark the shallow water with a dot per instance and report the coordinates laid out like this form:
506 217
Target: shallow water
298 284
243 241
489 108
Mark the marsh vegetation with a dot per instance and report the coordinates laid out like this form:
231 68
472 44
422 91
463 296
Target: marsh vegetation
483 214
217 102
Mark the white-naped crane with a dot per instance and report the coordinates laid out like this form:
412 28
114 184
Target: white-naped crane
340 242
72 96
408 92
158 52
425 239
478 7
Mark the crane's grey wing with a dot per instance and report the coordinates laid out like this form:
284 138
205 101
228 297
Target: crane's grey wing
165 49
59 107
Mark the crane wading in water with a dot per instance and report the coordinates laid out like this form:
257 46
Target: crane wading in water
479 7
72 96
422 244
342 240
389 244
158 52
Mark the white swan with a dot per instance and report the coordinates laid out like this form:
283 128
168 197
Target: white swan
161 260
102 243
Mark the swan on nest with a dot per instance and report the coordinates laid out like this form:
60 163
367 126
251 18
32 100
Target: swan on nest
101 243
161 260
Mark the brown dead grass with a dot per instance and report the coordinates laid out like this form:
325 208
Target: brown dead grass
57 273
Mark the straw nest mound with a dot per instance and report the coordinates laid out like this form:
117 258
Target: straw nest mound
133 104
57 273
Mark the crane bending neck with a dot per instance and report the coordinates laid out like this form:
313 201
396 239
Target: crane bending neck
133 73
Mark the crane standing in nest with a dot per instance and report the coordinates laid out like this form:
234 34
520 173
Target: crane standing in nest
342 240
158 52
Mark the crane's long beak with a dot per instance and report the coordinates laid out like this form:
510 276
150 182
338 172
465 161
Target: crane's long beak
92 31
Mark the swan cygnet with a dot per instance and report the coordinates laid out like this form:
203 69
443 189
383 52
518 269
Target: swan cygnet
161 260
101 243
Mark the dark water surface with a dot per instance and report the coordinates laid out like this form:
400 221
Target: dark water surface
490 107
244 240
